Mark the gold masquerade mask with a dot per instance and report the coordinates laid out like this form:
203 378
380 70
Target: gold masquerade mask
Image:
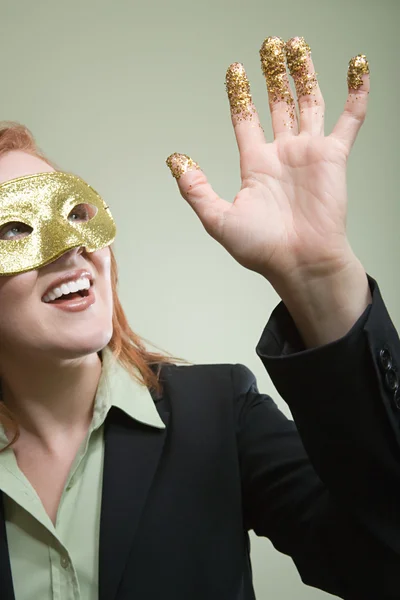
45 204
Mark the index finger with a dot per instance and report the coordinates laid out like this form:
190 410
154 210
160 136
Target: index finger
245 121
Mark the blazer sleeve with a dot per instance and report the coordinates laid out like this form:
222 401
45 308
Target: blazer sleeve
325 489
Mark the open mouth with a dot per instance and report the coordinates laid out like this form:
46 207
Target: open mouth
68 297
79 293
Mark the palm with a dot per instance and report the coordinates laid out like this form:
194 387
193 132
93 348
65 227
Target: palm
293 201
290 213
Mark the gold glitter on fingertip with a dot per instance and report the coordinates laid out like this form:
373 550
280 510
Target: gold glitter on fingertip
298 53
238 90
180 164
274 69
272 55
358 66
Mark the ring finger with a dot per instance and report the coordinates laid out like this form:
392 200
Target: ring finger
309 96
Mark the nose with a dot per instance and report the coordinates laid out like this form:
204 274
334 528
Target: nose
70 254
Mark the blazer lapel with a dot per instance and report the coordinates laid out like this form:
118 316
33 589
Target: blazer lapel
132 454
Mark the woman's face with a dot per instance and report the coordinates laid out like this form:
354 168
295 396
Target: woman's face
29 326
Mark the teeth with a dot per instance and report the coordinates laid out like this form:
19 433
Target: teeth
67 288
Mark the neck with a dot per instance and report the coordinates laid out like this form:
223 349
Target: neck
51 400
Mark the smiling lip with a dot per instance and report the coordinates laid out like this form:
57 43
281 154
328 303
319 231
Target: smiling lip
70 276
75 305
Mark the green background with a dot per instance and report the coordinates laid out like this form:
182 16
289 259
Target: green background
110 89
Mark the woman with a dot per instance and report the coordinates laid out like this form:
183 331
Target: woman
118 490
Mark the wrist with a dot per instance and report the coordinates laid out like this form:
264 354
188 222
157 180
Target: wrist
325 308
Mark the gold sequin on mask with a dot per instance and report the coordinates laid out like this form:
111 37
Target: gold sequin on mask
44 203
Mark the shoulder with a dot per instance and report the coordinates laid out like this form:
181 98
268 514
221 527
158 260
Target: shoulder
235 379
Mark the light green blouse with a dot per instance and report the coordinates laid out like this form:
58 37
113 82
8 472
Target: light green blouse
61 562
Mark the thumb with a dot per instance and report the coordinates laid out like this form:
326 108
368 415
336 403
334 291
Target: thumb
196 190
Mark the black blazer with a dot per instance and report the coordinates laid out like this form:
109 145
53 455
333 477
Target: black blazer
326 493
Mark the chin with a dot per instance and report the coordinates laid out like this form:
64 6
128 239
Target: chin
77 348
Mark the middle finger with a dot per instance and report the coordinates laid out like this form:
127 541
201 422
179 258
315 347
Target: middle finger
281 101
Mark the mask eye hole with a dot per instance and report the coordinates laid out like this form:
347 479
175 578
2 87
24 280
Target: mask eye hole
83 212
14 230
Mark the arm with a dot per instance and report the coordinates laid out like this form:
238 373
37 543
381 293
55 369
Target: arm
339 518
326 489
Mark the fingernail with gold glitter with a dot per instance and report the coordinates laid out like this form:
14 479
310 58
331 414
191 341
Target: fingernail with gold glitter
358 66
180 164
298 53
273 65
238 90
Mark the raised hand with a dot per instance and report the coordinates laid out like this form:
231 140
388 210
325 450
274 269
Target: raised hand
288 220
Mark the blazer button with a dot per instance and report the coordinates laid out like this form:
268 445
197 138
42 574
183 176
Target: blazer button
397 398
392 381
385 359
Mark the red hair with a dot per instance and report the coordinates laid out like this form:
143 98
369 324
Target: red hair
127 347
